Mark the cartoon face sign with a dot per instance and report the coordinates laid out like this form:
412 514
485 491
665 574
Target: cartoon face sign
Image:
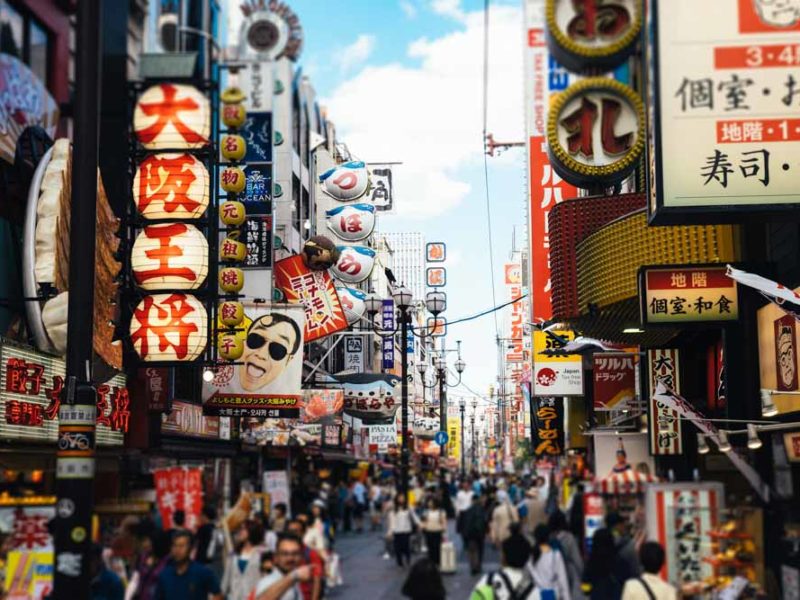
272 341
355 264
352 302
778 13
346 182
351 222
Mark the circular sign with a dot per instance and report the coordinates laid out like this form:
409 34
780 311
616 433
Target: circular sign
352 222
171 115
594 34
355 263
170 256
346 182
441 438
169 327
171 186
78 534
596 132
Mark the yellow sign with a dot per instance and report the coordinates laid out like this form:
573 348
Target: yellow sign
454 437
543 341
29 575
555 375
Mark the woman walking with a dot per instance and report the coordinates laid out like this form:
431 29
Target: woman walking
243 567
561 538
402 521
434 525
547 565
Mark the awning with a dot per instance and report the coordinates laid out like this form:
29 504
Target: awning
627 482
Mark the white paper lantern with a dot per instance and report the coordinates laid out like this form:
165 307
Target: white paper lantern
355 264
171 115
169 327
171 256
346 182
171 185
351 222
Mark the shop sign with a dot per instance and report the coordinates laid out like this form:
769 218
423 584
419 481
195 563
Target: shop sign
435 252
266 381
29 574
454 437
187 420
171 186
687 294
548 426
169 327
31 385
257 132
353 354
596 132
614 376
436 327
170 256
156 388
594 34
663 366
179 488
425 427
381 192
352 300
351 222
257 193
346 182
258 238
371 397
172 116
315 291
726 80
791 442
355 264
26 525
555 375
436 277
382 435
513 280
387 343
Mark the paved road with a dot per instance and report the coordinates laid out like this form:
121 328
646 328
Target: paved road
367 576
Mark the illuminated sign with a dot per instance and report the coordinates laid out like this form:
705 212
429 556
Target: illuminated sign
555 375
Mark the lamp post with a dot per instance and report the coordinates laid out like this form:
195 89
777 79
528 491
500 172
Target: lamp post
402 296
462 404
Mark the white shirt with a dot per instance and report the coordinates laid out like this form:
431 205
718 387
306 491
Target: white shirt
550 573
463 500
515 576
293 593
634 590
400 521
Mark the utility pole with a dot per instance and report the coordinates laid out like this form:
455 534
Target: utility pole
75 465
461 407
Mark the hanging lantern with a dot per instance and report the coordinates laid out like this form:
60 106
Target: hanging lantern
232 213
231 280
172 256
353 303
231 313
171 186
231 346
352 222
170 115
232 250
233 147
355 263
232 95
169 327
320 253
346 182
232 179
234 115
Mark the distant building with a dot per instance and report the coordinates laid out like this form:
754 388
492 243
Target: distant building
408 260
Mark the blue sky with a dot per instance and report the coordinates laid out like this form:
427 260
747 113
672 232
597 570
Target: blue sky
402 81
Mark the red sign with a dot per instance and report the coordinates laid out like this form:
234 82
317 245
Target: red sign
179 488
768 16
614 380
315 291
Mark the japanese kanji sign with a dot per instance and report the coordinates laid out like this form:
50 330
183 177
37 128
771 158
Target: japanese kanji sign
665 424
687 294
324 314
515 329
548 426
258 240
555 375
381 191
171 186
179 488
435 252
436 277
614 376
172 116
726 106
387 343
353 354
30 391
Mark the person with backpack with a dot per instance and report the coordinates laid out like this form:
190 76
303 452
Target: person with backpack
473 530
547 566
424 582
513 581
505 519
605 572
649 586
564 541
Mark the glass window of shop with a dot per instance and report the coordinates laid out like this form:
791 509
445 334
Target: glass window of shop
24 37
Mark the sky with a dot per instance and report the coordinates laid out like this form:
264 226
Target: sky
402 81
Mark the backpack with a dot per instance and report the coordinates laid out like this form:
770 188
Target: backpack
486 590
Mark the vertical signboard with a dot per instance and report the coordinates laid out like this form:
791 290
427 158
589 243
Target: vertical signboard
387 343
548 426
513 281
353 354
614 376
665 425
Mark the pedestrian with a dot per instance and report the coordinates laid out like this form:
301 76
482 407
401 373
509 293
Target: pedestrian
513 581
604 574
626 547
547 566
279 518
402 523
152 560
434 525
318 533
104 585
267 563
359 505
463 502
243 565
474 532
346 502
184 578
563 540
375 501
649 586
424 582
314 588
505 519
282 582
534 506
205 546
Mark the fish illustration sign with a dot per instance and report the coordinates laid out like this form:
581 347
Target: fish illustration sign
371 397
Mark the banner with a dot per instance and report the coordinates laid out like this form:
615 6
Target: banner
454 437
353 354
179 488
387 343
513 281
266 381
548 426
555 375
614 377
324 314
665 425
381 192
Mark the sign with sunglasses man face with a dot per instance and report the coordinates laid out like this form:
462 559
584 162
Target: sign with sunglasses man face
265 381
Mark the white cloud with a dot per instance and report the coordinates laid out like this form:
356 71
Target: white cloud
356 53
408 8
429 116
448 8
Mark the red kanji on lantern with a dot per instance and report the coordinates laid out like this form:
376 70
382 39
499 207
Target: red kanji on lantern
167 178
168 112
228 311
230 176
164 253
120 411
230 212
23 377
54 395
228 344
230 277
174 308
229 248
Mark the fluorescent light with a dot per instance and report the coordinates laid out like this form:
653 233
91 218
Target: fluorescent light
768 408
753 441
632 330
722 441
702 445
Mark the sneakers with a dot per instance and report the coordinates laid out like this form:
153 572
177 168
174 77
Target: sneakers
386 556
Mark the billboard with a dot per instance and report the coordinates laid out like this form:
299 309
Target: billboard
555 375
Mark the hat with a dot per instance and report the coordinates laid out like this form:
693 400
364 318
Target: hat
319 503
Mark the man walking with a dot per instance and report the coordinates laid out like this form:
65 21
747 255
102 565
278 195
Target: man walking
282 583
473 531
184 578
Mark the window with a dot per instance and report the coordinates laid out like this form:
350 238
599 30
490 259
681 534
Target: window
24 37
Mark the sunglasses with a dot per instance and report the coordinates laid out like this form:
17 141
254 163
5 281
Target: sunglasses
276 350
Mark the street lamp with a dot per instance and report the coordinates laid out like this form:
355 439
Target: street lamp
462 404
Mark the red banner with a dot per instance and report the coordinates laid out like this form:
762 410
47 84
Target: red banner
179 488
315 291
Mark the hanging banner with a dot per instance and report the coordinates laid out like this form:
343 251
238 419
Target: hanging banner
555 375
265 382
513 281
387 343
436 277
548 426
665 425
454 438
614 377
353 354
381 191
179 488
324 314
